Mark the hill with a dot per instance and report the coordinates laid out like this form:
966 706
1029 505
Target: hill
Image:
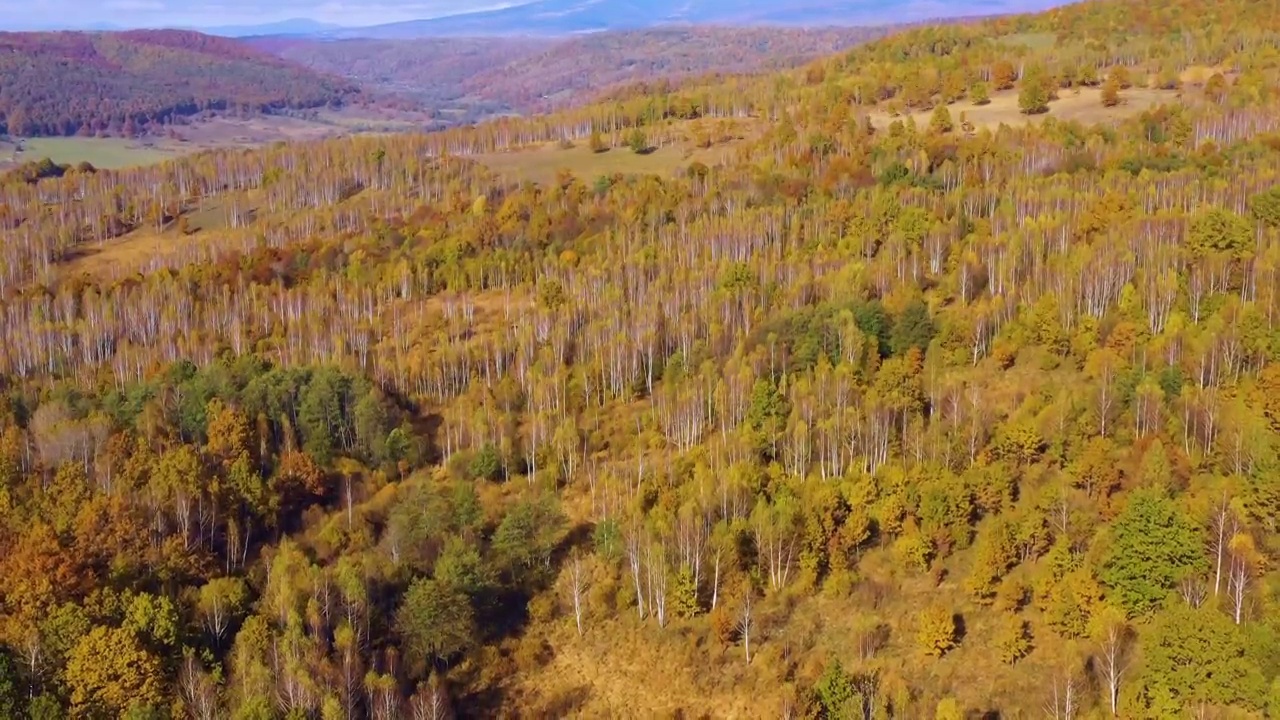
124 83
435 72
469 78
937 378
590 65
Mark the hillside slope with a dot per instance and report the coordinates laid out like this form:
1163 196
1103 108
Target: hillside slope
88 83
480 76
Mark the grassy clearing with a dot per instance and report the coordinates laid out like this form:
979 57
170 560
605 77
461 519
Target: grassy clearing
541 164
106 153
210 134
131 253
1032 40
1084 106
371 121
1199 74
136 250
1035 41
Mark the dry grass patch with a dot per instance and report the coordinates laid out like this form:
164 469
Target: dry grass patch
710 142
621 670
148 247
139 251
1084 105
1200 74
1034 41
542 163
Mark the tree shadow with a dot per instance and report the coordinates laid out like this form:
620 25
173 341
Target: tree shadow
566 703
961 629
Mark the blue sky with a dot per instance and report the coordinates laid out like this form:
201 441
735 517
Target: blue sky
26 14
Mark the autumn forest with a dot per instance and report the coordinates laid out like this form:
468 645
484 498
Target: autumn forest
128 83
871 406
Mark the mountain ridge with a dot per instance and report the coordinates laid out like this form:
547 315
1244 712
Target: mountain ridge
569 17
561 18
475 78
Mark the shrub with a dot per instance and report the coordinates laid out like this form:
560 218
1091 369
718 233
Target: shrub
486 465
638 141
936 634
1033 99
1111 93
1013 640
980 94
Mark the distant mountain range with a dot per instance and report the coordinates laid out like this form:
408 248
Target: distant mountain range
564 17
294 26
465 79
552 18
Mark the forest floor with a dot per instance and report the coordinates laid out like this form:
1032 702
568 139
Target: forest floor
623 667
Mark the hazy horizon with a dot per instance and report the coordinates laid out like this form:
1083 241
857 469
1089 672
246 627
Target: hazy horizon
243 17
90 14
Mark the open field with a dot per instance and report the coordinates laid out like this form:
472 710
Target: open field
108 153
210 134
1078 104
1032 40
540 164
684 143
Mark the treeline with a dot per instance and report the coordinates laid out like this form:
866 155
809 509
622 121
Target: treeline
34 171
139 81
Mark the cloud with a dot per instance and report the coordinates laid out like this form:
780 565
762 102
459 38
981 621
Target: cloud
25 14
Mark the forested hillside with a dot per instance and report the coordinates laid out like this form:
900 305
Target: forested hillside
125 83
866 418
486 76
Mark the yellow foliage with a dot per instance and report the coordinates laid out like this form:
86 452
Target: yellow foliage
936 634
109 672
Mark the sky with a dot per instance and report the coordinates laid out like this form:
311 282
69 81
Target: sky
70 14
